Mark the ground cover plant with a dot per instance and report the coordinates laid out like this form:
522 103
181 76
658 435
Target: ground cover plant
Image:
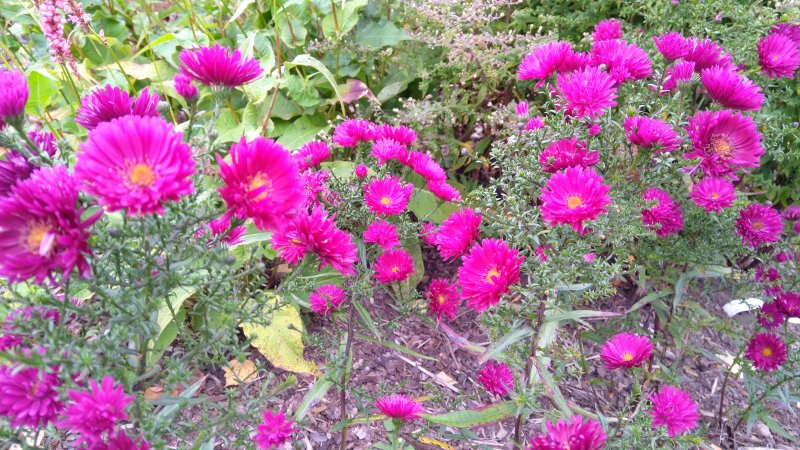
398 225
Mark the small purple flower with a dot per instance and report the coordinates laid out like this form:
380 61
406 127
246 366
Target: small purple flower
219 66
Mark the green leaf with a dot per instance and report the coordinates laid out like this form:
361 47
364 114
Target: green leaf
366 318
309 61
552 388
394 346
579 314
42 87
415 251
230 130
472 417
462 342
315 394
167 324
429 208
302 130
381 34
346 21
161 39
342 170
649 298
510 338
243 4
777 428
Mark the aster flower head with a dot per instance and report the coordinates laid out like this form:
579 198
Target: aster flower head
262 183
677 74
424 166
94 414
184 86
626 350
136 164
28 396
444 191
13 94
41 230
352 131
311 154
120 441
496 378
790 30
522 108
103 105
771 315
399 406
565 153
607 29
14 168
487 273
361 171
394 265
457 233
574 435
400 134
648 132
428 233
218 66
713 194
778 55
146 104
387 196
273 431
382 233
792 213
705 53
548 59
45 141
443 298
573 197
622 61
220 226
758 225
672 45
724 142
766 351
674 409
789 303
535 123
731 90
665 217
385 150
587 92
326 299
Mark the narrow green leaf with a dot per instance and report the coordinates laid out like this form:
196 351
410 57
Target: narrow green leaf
367 318
309 61
552 388
647 299
511 338
315 394
472 417
394 346
239 10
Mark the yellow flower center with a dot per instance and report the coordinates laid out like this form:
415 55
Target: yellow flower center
758 226
721 146
34 237
395 269
261 181
573 201
491 274
385 201
766 352
715 196
141 175
627 357
441 299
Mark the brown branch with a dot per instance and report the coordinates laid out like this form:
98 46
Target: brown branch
529 365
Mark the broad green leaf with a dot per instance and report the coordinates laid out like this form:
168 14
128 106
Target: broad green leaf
229 128
510 338
419 265
429 208
346 20
342 170
381 34
240 8
394 346
649 298
42 87
302 130
472 417
315 394
309 61
167 324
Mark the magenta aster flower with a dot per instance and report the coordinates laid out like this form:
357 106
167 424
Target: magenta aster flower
626 350
587 92
522 109
261 183
487 273
713 194
731 90
607 29
790 30
10 340
274 430
444 191
326 299
648 132
705 53
218 66
387 196
792 213
565 153
548 59
665 217
674 409
575 434
758 225
311 154
677 74
778 55
352 131
428 233
457 233
14 168
28 396
535 123
771 316
574 196
589 257
496 378
398 406
146 104
789 303
443 298
386 150
110 102
94 414
400 134
672 45
724 142
541 252
184 86
382 233
428 169
13 93
394 265
361 171
766 351
220 226
136 164
622 61
44 141
120 441
41 230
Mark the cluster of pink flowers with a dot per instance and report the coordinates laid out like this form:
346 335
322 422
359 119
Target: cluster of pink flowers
110 102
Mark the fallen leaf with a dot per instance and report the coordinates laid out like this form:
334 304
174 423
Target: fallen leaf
440 444
153 392
237 373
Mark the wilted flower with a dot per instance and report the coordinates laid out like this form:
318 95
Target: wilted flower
487 273
184 86
574 196
789 303
522 109
444 191
575 434
219 66
398 406
766 351
496 378
626 350
424 166
443 298
771 316
274 430
674 409
394 265
428 233
535 123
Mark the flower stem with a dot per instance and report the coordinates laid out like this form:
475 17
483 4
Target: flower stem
529 366
345 373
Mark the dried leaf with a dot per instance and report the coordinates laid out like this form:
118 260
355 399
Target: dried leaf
237 373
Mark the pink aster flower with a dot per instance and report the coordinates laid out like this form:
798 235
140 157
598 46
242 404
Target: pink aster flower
548 59
273 431
41 229
394 265
44 141
626 350
220 227
184 86
326 299
713 194
352 131
13 93
677 74
14 168
771 316
400 134
648 132
593 129
724 142
428 169
789 302
399 406
541 252
496 378
522 109
566 153
444 191
136 164
758 225
146 104
487 273
443 298
672 45
386 150
607 29
587 92
575 434
120 441
790 30
382 233
535 123
387 196
731 90
219 66
778 55
109 103
674 409
705 53
574 196
792 213
261 183
665 217
589 257
622 61
361 171
94 414
28 396
457 233
428 233
311 155
766 351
